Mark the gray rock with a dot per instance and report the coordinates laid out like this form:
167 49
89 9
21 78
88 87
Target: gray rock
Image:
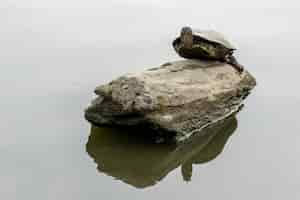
176 99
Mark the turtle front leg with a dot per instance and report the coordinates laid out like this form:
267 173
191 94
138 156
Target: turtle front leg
230 59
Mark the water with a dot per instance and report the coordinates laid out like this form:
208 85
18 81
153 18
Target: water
53 54
127 156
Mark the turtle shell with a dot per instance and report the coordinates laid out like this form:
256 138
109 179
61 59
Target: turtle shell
213 36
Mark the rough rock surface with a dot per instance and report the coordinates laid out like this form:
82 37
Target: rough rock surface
177 99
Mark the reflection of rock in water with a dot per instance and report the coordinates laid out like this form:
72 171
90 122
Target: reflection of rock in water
125 155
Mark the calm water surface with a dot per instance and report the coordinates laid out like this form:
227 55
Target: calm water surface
52 55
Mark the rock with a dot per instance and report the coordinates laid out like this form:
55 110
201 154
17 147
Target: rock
177 99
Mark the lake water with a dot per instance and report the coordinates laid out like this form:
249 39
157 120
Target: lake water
54 53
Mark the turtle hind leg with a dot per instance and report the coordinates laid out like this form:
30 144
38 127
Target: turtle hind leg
232 61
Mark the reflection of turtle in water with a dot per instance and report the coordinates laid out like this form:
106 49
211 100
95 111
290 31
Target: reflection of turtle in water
194 44
212 149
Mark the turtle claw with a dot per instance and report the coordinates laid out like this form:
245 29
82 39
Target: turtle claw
232 61
239 68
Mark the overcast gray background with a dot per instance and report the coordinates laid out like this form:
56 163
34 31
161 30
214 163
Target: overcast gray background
54 52
83 38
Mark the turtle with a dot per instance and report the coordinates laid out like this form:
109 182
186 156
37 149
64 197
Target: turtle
205 44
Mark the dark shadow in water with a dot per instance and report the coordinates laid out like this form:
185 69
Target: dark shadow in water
128 156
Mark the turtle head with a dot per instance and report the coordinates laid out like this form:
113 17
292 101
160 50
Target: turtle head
186 37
